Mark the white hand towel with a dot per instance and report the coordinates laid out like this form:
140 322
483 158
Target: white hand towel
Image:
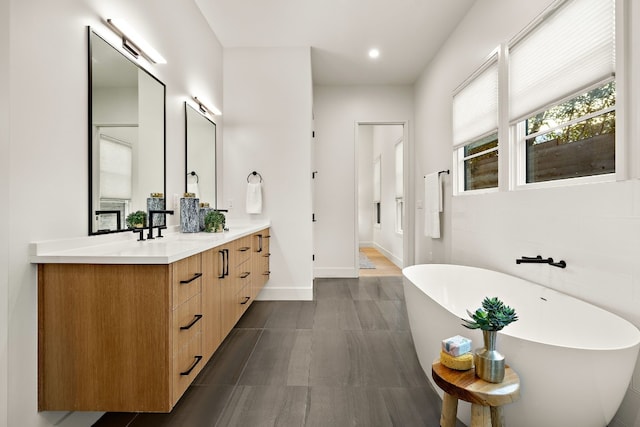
433 205
254 198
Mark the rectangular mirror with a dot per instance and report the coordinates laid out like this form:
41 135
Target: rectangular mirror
126 137
200 155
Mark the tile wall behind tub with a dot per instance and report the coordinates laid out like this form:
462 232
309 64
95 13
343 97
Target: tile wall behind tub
595 228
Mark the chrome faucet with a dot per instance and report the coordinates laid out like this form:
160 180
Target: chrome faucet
151 214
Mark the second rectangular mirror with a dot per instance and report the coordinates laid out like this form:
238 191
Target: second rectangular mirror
200 156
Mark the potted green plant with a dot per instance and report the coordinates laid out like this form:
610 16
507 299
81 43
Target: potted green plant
492 317
214 221
137 219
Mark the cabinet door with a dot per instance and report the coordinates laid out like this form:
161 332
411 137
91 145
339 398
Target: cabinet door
228 316
213 263
104 338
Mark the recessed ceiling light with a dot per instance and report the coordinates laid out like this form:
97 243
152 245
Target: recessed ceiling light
374 53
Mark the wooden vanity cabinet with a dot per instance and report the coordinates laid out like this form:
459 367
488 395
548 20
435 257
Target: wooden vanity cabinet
131 337
118 337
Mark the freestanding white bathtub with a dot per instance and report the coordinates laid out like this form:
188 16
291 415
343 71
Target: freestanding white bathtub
574 359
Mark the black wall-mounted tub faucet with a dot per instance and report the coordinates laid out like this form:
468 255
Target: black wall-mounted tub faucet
539 260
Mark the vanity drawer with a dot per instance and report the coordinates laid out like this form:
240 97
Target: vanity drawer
187 322
187 364
242 250
243 300
243 275
186 279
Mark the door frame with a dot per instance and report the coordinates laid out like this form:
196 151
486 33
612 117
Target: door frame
408 234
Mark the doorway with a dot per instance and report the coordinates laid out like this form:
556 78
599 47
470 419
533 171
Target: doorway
381 203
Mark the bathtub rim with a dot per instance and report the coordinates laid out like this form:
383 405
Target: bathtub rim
632 331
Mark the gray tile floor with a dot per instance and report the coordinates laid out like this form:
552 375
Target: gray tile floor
344 359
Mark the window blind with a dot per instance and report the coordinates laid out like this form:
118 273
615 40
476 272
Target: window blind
475 106
569 50
115 169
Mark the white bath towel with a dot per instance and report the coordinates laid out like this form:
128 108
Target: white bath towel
254 198
432 205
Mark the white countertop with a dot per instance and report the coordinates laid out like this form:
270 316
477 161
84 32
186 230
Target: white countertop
124 248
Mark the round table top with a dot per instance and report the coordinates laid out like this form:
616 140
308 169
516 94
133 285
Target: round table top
465 385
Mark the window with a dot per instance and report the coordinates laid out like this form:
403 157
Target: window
115 169
480 163
563 106
558 106
572 139
475 129
399 185
399 216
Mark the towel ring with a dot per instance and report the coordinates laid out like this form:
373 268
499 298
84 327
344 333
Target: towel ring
193 173
254 173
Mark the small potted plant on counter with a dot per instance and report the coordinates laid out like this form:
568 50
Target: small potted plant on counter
137 219
214 221
492 317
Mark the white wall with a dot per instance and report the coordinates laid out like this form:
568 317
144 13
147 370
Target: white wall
46 197
337 109
5 225
268 115
594 228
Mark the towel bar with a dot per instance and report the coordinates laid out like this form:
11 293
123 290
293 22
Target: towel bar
254 173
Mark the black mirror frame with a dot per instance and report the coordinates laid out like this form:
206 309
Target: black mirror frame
90 133
186 151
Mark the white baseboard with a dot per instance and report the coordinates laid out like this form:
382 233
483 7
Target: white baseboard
391 257
285 294
343 272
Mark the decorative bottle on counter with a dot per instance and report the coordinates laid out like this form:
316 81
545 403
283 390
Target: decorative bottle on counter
157 203
189 213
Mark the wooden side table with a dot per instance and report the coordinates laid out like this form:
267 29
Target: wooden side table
486 398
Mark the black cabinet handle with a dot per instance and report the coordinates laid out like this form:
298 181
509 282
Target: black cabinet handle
267 255
195 276
245 274
266 273
244 249
193 322
259 243
188 371
221 275
246 300
226 263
